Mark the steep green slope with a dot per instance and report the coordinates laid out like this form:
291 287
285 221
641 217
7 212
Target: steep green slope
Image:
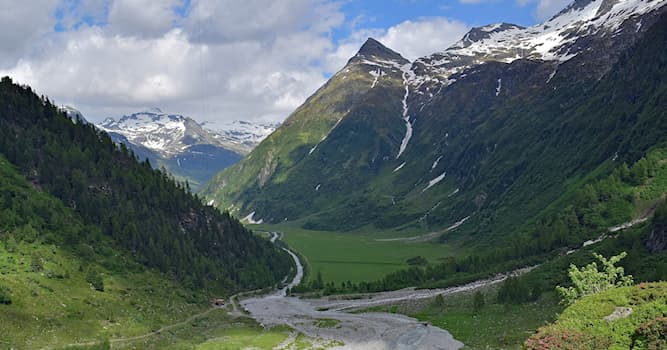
142 210
339 135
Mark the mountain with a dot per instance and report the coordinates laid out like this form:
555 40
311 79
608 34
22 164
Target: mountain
183 146
486 136
242 134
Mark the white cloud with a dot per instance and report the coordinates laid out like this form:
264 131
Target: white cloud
412 39
227 20
142 17
116 64
545 9
221 62
23 22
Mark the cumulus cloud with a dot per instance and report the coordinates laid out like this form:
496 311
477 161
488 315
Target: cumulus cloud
142 17
226 20
412 39
23 22
545 9
257 61
212 60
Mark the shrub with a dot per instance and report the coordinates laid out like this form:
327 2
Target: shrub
5 295
95 280
550 339
36 263
590 280
477 302
417 261
651 335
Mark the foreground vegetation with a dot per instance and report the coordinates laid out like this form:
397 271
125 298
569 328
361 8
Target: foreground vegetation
630 317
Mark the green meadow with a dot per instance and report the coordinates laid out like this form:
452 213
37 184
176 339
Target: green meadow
354 256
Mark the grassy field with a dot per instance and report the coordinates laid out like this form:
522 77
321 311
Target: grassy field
493 326
355 256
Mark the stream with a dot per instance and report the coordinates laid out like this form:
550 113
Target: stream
357 331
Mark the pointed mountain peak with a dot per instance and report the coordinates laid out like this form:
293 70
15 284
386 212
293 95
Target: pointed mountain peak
373 49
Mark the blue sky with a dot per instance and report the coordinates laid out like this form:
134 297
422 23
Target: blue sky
240 59
385 14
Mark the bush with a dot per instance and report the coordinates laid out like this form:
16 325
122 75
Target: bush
549 339
36 263
95 280
417 261
590 280
651 335
5 295
477 302
514 290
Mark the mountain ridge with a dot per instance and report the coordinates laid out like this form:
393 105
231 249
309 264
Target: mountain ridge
186 148
412 140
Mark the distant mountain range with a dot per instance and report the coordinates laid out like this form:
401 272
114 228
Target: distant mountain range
181 145
482 136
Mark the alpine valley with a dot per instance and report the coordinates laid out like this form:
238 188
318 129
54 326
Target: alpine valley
505 192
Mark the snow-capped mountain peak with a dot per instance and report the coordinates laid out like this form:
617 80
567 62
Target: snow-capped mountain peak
243 133
160 132
558 39
170 134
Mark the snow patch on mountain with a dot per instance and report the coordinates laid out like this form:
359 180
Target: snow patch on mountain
435 163
406 117
435 181
324 137
399 167
376 74
250 218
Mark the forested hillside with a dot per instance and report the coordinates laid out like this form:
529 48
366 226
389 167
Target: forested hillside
115 196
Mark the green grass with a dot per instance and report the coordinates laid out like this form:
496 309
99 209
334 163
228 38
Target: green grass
246 337
57 306
327 323
355 256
